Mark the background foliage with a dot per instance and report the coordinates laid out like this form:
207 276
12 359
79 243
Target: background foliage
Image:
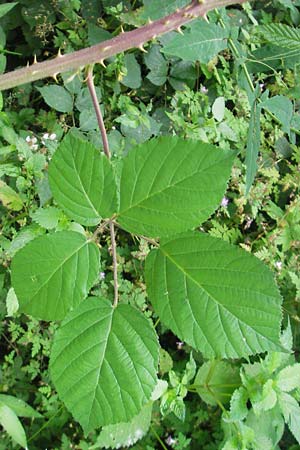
225 404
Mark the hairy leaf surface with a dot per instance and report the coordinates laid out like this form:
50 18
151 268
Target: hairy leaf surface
82 181
170 185
104 362
53 273
216 297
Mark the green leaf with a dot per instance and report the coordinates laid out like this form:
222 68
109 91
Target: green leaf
158 66
238 404
20 407
170 185
57 97
253 143
291 413
218 109
82 181
201 42
288 378
12 425
218 298
125 434
104 363
216 380
281 35
133 78
282 108
12 304
47 217
6 7
9 197
53 273
268 398
154 9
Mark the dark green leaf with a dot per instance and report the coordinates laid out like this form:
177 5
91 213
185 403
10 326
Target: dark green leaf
57 97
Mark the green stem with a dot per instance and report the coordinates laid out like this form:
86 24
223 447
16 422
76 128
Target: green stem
158 438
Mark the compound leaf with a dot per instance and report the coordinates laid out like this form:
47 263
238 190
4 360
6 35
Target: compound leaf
82 181
216 297
104 362
170 185
53 273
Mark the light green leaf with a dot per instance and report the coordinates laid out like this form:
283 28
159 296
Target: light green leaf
125 434
104 363
282 108
6 7
170 185
12 304
201 42
57 97
159 390
20 407
47 217
53 273
268 398
9 197
218 298
288 378
291 413
216 380
218 109
253 143
82 181
238 404
133 78
12 425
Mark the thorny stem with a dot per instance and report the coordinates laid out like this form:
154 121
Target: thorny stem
124 41
91 86
92 90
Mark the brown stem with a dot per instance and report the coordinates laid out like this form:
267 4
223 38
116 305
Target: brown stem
92 90
91 86
124 41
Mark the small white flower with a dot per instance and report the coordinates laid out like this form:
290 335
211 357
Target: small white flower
34 140
102 275
28 139
179 345
46 136
204 89
34 147
52 136
278 265
170 440
224 202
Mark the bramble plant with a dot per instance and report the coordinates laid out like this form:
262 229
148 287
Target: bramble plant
217 298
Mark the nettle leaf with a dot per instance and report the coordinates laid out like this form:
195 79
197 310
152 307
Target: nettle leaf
82 181
288 378
281 35
104 362
218 298
291 413
202 41
53 273
282 108
170 185
125 434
